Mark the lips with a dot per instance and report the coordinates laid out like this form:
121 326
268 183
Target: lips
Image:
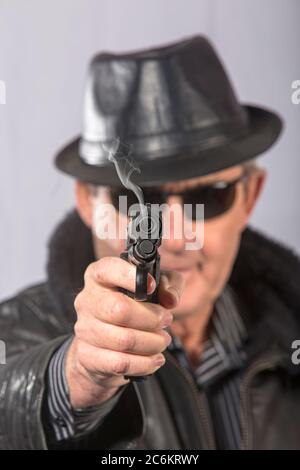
183 269
177 268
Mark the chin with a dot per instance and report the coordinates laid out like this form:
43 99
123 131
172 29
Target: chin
188 305
196 296
180 313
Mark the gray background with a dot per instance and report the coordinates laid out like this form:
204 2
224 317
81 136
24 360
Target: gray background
45 47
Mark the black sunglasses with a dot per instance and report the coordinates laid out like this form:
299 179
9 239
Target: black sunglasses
217 197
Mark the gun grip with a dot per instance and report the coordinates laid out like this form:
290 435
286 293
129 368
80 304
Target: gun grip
140 294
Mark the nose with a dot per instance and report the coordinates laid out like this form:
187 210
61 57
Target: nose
173 233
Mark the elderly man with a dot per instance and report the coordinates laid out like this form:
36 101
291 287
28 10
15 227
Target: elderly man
215 350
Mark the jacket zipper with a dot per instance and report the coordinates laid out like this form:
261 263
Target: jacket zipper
201 402
267 363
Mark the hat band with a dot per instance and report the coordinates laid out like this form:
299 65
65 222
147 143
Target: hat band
151 147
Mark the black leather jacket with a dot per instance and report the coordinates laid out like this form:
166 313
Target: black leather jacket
166 411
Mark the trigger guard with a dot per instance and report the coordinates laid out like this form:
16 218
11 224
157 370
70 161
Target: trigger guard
141 283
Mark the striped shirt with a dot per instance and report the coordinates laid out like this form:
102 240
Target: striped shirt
219 367
217 374
68 422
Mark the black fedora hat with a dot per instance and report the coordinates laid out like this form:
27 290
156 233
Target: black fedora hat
177 109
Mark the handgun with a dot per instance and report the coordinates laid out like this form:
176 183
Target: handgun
144 234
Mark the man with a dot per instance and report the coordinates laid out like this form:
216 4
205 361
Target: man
216 349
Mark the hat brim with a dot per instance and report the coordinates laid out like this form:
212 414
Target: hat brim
264 129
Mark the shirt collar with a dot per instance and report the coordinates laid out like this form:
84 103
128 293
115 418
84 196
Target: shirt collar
223 351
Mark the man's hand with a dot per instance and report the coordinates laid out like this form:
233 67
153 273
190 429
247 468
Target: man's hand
114 334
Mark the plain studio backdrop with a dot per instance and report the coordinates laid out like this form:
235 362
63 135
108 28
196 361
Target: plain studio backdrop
45 47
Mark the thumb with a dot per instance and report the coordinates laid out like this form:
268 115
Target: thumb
170 288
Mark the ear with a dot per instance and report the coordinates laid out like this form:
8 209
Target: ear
253 191
84 202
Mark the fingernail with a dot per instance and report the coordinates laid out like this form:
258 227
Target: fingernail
167 337
151 284
159 360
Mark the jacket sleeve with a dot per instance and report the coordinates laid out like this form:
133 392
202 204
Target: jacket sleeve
68 422
31 336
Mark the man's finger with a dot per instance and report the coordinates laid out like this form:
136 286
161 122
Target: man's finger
111 271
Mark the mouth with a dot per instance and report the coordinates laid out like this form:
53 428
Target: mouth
183 269
179 269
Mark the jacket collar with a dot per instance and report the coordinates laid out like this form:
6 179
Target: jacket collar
265 276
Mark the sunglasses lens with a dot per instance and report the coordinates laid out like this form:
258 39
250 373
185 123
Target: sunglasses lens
122 199
216 201
153 195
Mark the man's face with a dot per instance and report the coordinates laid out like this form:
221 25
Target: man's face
205 270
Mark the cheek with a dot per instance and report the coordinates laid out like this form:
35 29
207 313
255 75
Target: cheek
222 234
221 243
108 247
109 232
217 236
